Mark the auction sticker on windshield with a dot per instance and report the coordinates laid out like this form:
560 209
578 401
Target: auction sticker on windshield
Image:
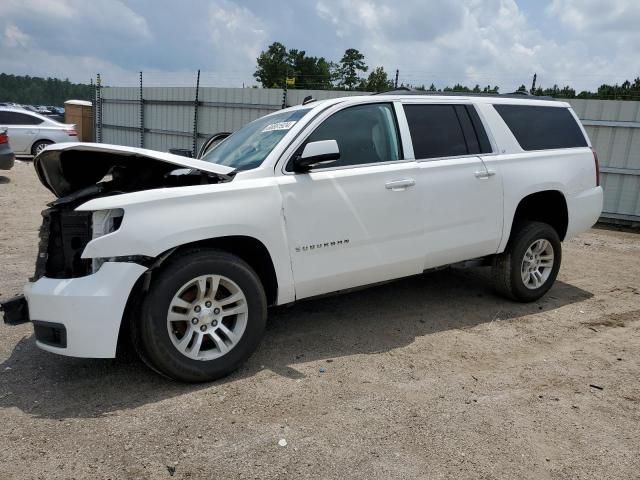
279 126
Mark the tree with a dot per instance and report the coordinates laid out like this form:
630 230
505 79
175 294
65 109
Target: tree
273 65
276 64
351 64
567 92
626 91
378 81
488 89
309 72
42 91
557 92
457 88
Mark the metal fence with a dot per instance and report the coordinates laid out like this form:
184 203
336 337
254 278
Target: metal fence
614 129
161 118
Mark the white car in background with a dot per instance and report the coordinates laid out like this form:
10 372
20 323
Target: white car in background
31 132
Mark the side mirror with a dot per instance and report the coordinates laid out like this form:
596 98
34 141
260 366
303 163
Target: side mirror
316 154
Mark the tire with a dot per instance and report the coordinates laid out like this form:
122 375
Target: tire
183 290
37 147
510 267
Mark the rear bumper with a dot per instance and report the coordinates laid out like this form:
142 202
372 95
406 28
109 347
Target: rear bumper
6 161
584 211
81 317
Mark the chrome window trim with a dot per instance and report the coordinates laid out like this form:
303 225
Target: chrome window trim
456 157
347 167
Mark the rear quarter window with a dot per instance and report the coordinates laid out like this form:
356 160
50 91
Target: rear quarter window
542 128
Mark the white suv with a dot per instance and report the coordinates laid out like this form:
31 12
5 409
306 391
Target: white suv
188 254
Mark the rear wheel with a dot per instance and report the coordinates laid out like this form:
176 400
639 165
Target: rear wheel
39 146
203 316
527 268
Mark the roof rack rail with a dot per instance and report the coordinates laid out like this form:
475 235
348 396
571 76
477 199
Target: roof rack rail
413 91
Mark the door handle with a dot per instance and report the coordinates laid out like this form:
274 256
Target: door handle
399 185
484 173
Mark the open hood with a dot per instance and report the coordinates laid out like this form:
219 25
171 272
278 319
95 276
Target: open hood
65 168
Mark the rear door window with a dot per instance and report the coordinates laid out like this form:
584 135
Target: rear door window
542 128
16 118
445 131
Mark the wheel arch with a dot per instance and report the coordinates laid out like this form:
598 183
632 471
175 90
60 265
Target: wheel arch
249 249
548 206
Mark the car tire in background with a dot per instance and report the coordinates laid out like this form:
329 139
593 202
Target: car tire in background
527 268
40 145
203 316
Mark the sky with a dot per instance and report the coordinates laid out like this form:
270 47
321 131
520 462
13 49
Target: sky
583 43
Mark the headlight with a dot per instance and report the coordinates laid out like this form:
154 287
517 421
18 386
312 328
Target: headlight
104 222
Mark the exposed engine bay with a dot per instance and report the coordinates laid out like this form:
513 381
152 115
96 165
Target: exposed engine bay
81 172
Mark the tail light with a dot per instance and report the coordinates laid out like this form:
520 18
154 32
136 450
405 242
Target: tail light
4 138
71 132
595 159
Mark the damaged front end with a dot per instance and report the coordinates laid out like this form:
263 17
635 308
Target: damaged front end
81 172
77 173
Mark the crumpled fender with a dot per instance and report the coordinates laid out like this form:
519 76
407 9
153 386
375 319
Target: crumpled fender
158 220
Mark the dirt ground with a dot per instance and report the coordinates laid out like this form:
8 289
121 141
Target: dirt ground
428 377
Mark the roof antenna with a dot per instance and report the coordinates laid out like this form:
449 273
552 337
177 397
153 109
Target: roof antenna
308 99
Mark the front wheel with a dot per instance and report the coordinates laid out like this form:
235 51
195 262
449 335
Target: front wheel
203 316
527 268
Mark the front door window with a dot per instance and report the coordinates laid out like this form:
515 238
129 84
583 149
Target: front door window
365 134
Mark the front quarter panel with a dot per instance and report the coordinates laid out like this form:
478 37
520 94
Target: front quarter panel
156 221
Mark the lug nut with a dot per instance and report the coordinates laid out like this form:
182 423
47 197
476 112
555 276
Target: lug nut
203 328
216 311
197 308
214 323
194 320
207 304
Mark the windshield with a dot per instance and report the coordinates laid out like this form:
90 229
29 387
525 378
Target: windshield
248 147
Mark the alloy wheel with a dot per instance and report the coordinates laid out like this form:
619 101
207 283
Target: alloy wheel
537 264
207 317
